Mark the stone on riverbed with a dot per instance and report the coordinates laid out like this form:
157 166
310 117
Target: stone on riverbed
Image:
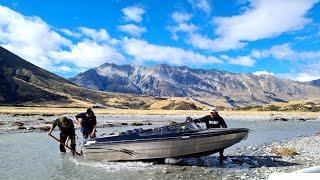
44 128
280 119
17 123
137 124
47 115
284 151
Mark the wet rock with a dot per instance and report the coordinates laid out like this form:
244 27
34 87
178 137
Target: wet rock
47 115
284 151
2 123
40 119
31 128
17 123
44 128
124 124
280 119
302 119
136 124
21 127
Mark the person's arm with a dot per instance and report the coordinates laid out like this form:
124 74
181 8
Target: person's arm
223 123
77 118
200 120
94 127
54 124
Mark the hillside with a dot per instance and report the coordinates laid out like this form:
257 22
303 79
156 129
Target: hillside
22 83
211 87
315 82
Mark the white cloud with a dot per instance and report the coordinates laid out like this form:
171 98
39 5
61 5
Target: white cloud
203 5
263 19
180 17
144 51
133 13
96 35
71 33
285 52
181 24
65 69
89 54
240 60
132 29
302 77
34 40
29 37
258 73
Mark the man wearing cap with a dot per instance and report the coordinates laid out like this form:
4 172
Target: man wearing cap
67 133
88 123
213 120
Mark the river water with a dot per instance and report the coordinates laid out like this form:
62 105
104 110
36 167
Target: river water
36 156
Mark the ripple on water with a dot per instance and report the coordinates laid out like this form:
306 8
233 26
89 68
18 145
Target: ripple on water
115 166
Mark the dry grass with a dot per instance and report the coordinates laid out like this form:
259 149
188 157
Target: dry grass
284 151
113 111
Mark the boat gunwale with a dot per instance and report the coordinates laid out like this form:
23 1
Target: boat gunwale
178 136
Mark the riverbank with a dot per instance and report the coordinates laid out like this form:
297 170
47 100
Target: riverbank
253 158
29 111
39 120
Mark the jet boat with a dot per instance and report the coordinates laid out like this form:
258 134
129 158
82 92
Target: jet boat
172 141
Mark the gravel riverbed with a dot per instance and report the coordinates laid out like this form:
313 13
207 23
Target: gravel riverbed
253 158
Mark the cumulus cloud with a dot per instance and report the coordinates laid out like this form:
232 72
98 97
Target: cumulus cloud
132 29
203 5
34 40
25 37
285 52
144 51
302 77
258 73
71 33
88 54
181 24
133 13
96 35
263 19
240 60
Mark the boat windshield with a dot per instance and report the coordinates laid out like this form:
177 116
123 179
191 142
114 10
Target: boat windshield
173 129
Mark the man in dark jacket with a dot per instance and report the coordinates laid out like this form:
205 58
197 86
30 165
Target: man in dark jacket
67 133
88 123
213 120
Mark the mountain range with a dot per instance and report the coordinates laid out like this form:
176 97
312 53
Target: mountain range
22 83
143 87
212 87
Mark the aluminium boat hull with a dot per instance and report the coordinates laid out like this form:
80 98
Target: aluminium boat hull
189 145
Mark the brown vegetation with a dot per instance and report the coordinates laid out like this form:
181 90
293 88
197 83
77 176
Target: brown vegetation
284 151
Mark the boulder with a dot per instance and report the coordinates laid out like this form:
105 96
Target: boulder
280 119
47 115
21 127
17 123
136 124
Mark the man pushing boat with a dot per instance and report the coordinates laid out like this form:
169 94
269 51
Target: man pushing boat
213 120
67 133
88 122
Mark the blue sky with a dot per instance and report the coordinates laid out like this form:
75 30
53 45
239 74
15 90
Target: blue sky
277 37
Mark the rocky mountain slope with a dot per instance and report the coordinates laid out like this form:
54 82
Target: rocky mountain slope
315 82
22 83
210 87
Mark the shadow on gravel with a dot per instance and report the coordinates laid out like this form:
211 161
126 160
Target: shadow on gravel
237 162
